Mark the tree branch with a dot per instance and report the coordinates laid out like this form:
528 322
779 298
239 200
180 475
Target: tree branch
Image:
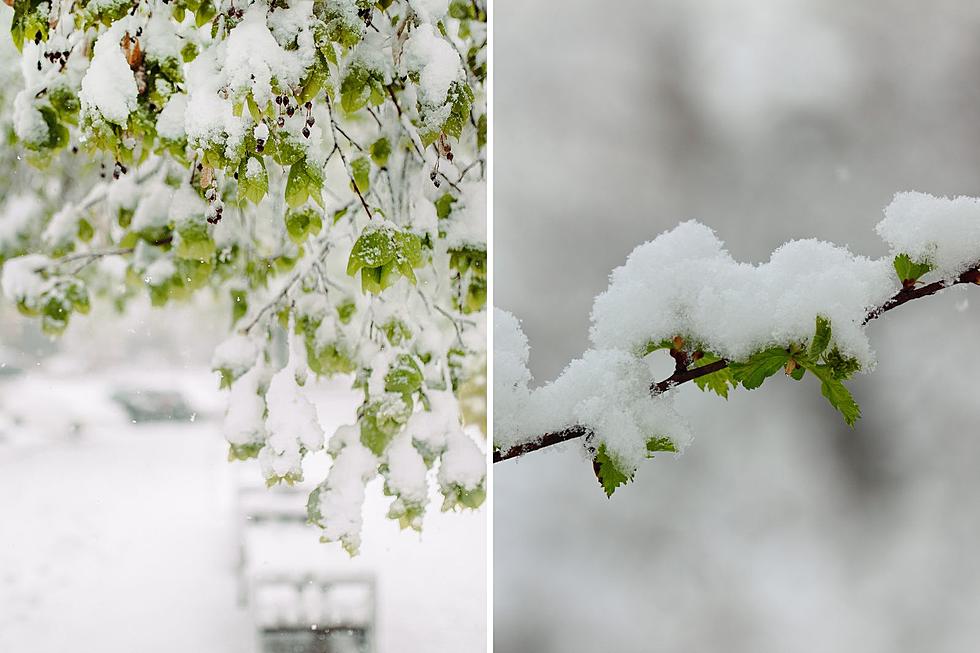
681 376
334 128
301 269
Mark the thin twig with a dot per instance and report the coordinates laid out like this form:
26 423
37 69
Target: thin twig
92 255
334 128
301 271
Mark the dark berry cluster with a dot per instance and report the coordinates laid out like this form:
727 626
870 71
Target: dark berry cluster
215 206
118 169
286 106
58 57
310 120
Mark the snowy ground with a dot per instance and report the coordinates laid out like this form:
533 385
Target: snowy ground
121 537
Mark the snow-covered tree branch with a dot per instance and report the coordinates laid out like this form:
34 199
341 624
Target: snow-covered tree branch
725 325
320 167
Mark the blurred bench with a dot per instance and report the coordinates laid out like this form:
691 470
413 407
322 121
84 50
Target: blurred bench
304 596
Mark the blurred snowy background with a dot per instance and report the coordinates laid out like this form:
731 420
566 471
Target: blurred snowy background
780 529
124 528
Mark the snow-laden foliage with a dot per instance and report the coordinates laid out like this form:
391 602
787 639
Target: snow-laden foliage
804 310
320 166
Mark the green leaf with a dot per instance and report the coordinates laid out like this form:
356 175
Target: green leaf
404 376
195 243
836 393
842 367
360 86
77 295
382 255
608 473
360 169
252 187
380 421
54 315
408 253
461 99
85 230
659 444
345 311
302 223
239 305
373 248
380 151
315 80
472 499
304 182
285 148
653 346
481 131
244 451
759 366
718 382
821 338
205 13
444 205
909 271
327 360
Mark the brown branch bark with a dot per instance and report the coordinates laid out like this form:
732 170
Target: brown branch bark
681 376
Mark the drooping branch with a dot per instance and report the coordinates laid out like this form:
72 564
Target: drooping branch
682 375
320 249
334 128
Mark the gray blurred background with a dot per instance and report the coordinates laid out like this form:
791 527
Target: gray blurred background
779 529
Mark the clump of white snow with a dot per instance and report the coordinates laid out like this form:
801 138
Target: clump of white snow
511 378
20 216
340 498
63 227
406 473
685 283
29 124
244 422
944 232
20 279
606 391
153 211
293 427
109 86
429 11
160 40
253 58
170 122
236 354
437 65
467 225
463 464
